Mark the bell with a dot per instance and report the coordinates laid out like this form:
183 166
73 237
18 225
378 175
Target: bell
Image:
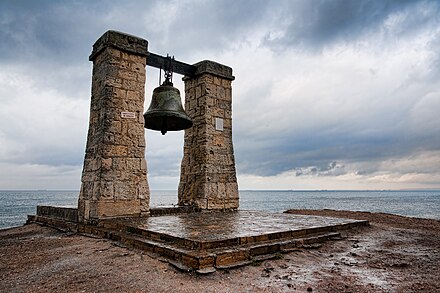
166 112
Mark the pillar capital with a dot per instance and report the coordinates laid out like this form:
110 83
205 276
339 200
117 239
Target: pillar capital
213 68
121 41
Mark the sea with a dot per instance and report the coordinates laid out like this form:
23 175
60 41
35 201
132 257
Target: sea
16 205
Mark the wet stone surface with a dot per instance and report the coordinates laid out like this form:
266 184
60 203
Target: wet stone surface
212 226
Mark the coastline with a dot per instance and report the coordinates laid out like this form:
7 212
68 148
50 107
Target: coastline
395 254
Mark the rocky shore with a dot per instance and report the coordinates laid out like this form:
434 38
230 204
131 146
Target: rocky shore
395 254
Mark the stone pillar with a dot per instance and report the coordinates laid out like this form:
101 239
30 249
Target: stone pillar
114 178
208 178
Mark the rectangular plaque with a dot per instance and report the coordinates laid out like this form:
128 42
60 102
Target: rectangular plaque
129 115
219 124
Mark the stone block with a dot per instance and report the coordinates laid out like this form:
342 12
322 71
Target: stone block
143 164
112 208
217 80
201 203
119 164
215 203
91 165
141 142
143 190
211 190
135 151
119 93
232 203
127 75
135 96
145 206
231 257
232 190
113 82
135 131
109 138
96 193
221 190
218 141
107 190
132 85
125 190
133 164
206 261
106 164
83 210
226 83
264 249
221 93
227 123
137 66
218 113
114 151
114 127
190 261
137 59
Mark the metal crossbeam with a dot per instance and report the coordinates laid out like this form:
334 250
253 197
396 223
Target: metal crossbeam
158 61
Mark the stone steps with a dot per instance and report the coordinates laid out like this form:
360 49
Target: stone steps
205 246
208 260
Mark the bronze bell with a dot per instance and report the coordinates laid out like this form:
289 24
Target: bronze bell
166 112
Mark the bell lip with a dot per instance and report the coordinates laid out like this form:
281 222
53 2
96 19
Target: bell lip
184 121
158 113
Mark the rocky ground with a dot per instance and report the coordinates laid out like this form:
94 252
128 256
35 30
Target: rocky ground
395 254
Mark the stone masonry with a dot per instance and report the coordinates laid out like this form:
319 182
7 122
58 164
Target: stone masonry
114 178
208 177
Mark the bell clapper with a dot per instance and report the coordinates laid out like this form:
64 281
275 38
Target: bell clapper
164 126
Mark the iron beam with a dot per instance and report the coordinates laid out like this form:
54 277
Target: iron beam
158 61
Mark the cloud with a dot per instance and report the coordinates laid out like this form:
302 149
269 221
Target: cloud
393 173
208 26
326 92
39 125
315 25
313 116
164 153
37 176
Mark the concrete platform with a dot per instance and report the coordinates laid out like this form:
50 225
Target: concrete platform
206 241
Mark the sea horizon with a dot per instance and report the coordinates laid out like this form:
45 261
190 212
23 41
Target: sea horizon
293 190
15 205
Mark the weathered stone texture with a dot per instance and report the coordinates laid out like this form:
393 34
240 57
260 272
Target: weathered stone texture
208 176
114 178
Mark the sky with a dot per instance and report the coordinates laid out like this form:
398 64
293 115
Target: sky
327 94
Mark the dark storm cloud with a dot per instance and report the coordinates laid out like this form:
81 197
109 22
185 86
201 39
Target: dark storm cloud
43 31
215 26
61 33
271 154
317 24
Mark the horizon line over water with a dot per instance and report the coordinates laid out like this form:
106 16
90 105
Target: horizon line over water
274 190
15 205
